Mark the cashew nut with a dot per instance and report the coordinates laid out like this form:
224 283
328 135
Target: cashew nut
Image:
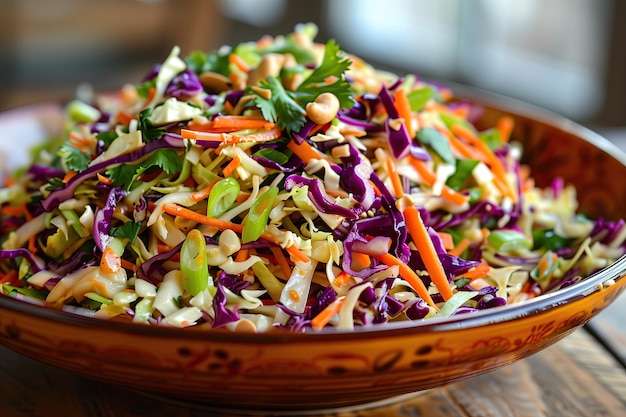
270 65
323 109
292 79
215 82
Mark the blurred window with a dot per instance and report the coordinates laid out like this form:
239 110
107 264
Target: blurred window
552 53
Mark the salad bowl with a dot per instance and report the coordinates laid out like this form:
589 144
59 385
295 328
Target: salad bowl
290 372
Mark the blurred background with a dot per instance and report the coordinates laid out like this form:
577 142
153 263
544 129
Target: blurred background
565 55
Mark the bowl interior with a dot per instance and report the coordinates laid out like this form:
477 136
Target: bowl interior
334 369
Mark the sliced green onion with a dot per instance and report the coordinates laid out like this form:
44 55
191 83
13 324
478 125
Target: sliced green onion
222 196
508 240
546 266
193 263
98 298
257 217
82 112
9 289
74 221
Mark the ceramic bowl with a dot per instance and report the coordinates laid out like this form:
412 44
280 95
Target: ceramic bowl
293 372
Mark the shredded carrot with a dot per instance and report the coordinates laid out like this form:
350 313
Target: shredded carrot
324 316
318 128
13 211
203 193
409 275
151 94
429 178
232 165
242 122
10 278
463 149
81 147
296 253
460 248
128 265
446 240
69 176
9 181
497 167
426 249
32 246
228 107
237 61
341 279
243 196
79 138
305 151
404 109
528 185
123 117
229 138
242 255
176 210
505 126
360 261
396 182
103 179
281 260
479 271
162 248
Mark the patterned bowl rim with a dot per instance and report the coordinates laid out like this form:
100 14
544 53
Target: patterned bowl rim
602 280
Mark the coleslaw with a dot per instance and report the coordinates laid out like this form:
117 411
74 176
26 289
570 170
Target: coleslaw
285 183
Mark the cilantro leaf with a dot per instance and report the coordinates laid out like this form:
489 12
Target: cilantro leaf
127 230
286 108
75 159
281 106
148 130
201 62
334 65
143 89
54 184
166 159
124 175
107 137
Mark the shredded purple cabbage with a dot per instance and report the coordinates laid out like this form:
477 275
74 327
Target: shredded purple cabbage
37 264
223 315
103 217
317 195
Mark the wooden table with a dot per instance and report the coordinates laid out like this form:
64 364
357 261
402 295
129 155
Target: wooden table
583 375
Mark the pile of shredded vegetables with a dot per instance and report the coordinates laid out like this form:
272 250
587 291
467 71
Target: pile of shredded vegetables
283 183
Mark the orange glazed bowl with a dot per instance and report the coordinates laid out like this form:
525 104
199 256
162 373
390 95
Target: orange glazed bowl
295 372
